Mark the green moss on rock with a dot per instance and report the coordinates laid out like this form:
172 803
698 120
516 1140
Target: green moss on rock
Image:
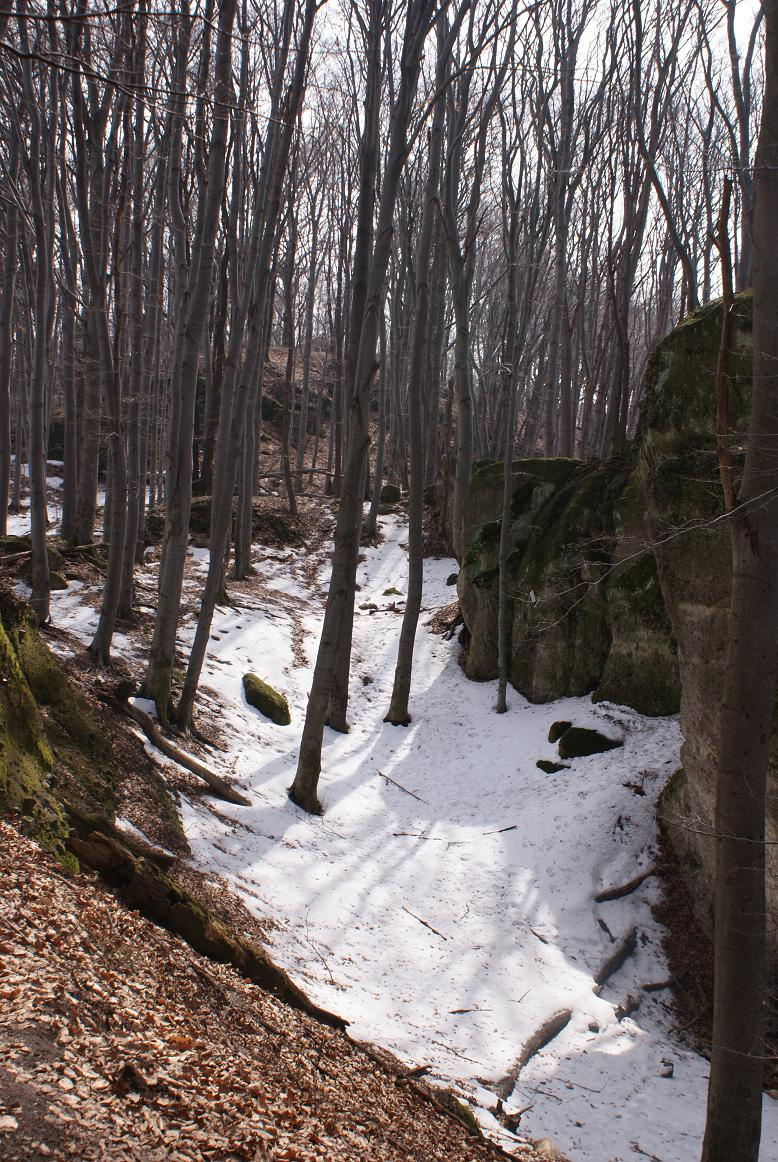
574 630
266 700
27 759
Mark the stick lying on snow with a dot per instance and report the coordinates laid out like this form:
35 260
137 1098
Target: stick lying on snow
155 736
619 957
622 890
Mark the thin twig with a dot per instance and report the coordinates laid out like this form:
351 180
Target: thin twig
424 922
399 787
725 351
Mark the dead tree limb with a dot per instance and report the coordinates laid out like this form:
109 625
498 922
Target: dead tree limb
157 738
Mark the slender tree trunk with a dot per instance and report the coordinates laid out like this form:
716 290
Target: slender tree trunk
243 374
157 683
340 599
398 713
737 1060
371 523
6 336
40 170
136 321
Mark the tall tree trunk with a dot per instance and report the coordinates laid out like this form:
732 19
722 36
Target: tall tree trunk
243 373
398 713
340 598
6 335
737 1059
157 682
135 321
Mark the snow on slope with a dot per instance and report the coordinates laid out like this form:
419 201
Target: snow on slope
444 902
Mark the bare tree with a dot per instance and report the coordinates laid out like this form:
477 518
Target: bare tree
737 1058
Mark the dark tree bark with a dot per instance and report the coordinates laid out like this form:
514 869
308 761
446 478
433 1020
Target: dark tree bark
242 371
157 682
6 333
737 1059
398 713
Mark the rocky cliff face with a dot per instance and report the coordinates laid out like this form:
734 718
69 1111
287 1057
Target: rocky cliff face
587 610
621 575
677 472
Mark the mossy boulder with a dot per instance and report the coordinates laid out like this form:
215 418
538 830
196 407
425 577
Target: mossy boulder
390 494
57 580
621 573
677 470
579 741
19 546
266 700
53 753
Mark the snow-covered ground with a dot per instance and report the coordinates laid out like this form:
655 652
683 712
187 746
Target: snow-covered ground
444 903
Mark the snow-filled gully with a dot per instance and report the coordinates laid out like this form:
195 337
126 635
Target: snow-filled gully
444 903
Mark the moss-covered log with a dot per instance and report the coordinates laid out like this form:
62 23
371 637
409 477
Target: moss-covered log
144 886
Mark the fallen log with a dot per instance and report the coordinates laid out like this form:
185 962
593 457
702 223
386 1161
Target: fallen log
546 1033
618 959
146 888
618 893
84 823
171 751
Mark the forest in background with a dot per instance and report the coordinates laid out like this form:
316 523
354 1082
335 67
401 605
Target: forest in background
473 219
524 196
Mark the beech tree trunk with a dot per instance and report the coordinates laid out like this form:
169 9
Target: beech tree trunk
340 598
733 1124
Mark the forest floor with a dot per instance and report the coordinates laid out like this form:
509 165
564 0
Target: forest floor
445 903
117 1041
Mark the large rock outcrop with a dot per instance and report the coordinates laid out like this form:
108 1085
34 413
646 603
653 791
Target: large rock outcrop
677 472
621 575
587 610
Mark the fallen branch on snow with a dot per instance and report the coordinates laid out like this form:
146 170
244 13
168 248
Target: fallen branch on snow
400 787
618 893
619 957
424 922
546 1033
157 738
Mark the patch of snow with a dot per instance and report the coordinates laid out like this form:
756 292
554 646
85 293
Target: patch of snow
444 903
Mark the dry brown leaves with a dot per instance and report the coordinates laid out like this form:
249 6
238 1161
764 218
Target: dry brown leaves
117 1042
